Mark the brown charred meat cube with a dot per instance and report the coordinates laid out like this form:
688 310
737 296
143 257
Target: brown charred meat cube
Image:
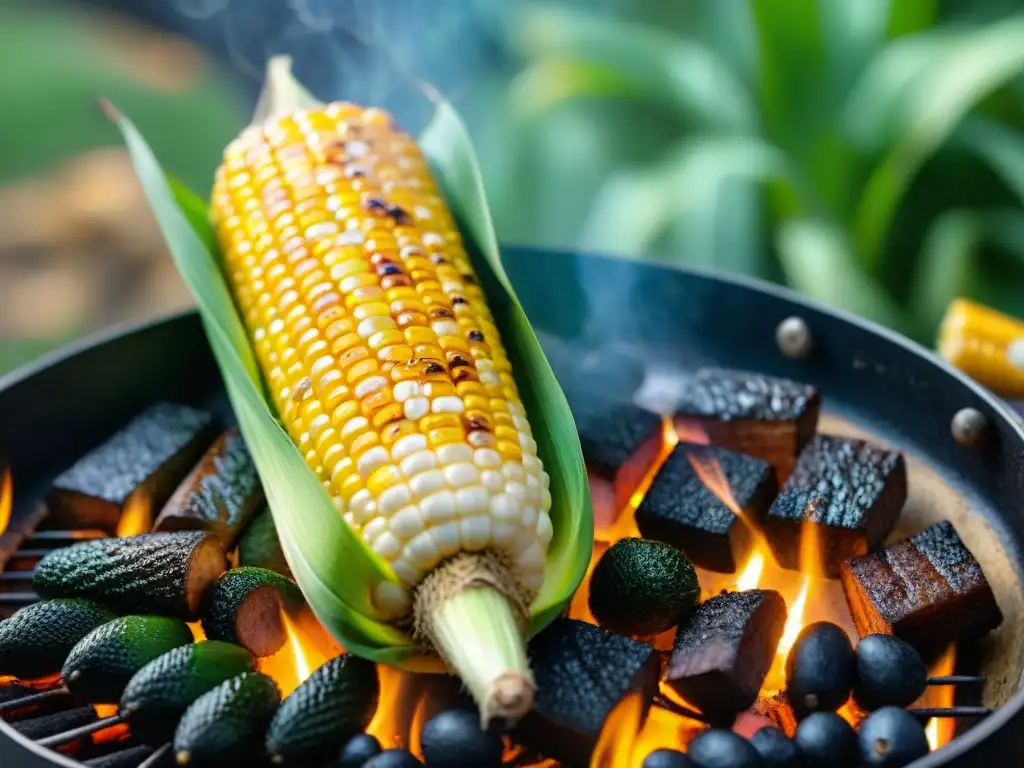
620 444
219 495
682 510
582 672
928 590
724 651
764 416
851 491
135 471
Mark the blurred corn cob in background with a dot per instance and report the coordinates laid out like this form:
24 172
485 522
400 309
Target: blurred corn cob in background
986 345
388 372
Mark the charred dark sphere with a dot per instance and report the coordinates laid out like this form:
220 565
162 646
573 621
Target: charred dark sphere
891 738
666 758
820 669
393 758
889 672
719 748
453 739
357 751
827 741
776 750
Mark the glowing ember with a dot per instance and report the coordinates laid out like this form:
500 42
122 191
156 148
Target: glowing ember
136 517
940 730
6 498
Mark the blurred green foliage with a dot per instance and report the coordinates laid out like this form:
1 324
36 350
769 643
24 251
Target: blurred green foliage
865 152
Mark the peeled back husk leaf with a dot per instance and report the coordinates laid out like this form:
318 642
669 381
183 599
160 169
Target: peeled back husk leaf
332 566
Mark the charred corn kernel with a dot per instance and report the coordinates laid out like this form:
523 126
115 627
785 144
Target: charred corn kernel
373 334
986 345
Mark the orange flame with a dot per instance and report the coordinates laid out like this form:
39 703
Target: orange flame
6 498
298 657
136 517
940 731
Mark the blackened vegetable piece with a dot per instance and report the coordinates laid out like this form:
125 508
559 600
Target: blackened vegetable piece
56 722
891 738
260 547
453 739
162 573
135 470
219 495
244 606
776 749
719 748
100 666
225 725
724 650
889 672
827 741
681 510
393 758
851 490
641 588
928 590
357 751
620 443
763 416
329 708
820 670
666 758
581 673
36 639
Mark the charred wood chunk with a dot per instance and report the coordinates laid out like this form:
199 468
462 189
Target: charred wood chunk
220 494
135 471
682 510
724 651
928 590
851 490
582 672
764 416
777 709
612 439
57 722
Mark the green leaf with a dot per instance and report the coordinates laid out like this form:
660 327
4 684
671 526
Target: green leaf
635 207
817 260
853 31
1000 146
447 145
946 267
931 107
631 61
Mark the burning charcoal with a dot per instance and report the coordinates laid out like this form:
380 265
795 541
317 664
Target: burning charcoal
219 495
357 751
890 738
890 672
680 509
582 672
718 747
762 416
724 650
820 669
777 709
134 472
666 758
58 722
851 491
928 590
776 749
620 444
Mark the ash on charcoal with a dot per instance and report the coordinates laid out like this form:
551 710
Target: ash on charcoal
851 490
611 436
724 650
679 509
581 672
764 416
141 464
220 494
928 590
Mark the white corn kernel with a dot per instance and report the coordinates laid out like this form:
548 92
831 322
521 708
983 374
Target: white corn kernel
406 389
373 529
471 501
391 599
492 481
528 517
516 409
373 459
447 404
516 490
544 529
531 464
353 426
422 551
418 462
527 444
461 474
452 453
513 470
505 508
447 539
445 328
406 572
416 408
404 446
486 457
426 483
407 522
475 532
368 385
393 499
503 534
439 506
387 546
349 519
532 559
532 580
362 505
545 502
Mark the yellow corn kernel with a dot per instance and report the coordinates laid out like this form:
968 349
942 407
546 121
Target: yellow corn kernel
981 342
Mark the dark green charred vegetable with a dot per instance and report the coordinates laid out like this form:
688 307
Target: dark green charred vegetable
35 640
159 693
225 725
164 573
100 666
259 545
244 606
334 704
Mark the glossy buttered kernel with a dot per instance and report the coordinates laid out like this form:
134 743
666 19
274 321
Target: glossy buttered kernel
380 352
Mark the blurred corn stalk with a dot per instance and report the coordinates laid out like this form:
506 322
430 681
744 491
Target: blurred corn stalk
865 152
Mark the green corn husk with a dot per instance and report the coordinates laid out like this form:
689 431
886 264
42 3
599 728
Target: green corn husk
333 567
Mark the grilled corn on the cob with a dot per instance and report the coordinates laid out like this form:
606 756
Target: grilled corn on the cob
380 352
986 345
